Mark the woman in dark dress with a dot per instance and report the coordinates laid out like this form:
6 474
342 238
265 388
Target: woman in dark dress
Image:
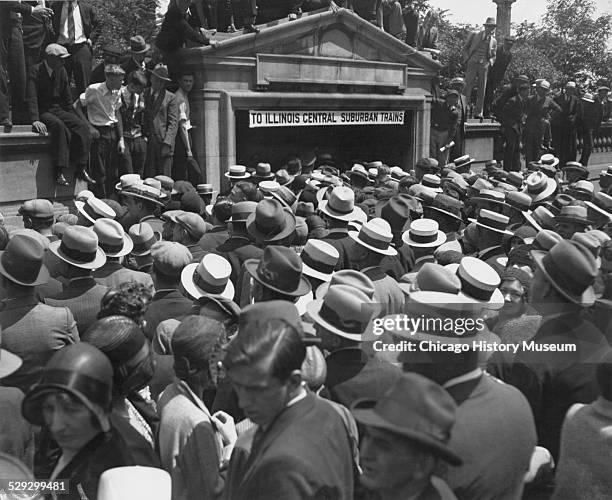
72 403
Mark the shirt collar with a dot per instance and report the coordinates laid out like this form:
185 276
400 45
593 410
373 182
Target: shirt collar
300 395
475 373
49 70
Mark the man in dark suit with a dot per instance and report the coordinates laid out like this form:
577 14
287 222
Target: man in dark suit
563 125
300 447
498 71
554 381
80 255
50 106
169 259
593 112
540 108
221 213
514 116
160 123
76 24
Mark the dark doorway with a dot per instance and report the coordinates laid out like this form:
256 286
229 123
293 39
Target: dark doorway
391 144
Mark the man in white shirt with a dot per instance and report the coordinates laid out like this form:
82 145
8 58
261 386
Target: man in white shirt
75 25
184 166
103 103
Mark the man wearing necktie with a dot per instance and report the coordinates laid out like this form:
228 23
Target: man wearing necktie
75 23
479 54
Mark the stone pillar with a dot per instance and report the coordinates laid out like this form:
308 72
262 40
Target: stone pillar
504 17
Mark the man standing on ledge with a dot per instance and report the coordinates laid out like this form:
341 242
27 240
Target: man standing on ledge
479 54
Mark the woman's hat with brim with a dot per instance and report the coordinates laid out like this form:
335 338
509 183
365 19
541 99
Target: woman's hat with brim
492 221
94 209
375 235
210 276
424 233
112 238
319 259
570 268
270 221
280 270
344 311
415 408
79 247
22 261
237 172
539 186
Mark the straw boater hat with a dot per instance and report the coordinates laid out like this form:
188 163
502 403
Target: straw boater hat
237 172
539 186
79 247
548 159
340 205
424 233
112 238
570 268
144 192
134 482
280 270
210 276
432 182
479 283
375 235
576 167
462 164
127 180
319 259
492 221
94 209
343 311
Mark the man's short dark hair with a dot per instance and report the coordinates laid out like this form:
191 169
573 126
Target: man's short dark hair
274 339
222 209
248 192
137 78
294 165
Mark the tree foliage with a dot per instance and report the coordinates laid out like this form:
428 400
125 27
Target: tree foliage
122 19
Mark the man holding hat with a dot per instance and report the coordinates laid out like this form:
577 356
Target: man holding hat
160 123
398 456
444 123
552 381
102 102
30 329
540 108
479 54
169 260
51 111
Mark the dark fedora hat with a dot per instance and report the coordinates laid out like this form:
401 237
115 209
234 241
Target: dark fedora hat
446 206
396 211
138 44
416 408
270 221
280 270
574 214
22 261
571 270
263 171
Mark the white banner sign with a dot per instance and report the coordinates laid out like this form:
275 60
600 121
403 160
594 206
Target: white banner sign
323 118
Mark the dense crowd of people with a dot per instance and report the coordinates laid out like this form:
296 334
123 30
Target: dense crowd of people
253 343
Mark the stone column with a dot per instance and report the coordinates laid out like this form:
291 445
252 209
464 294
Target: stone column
504 17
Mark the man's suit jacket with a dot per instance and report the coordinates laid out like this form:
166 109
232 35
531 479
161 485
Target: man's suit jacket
570 111
165 122
494 434
553 381
341 241
586 452
514 114
166 304
34 331
387 292
350 377
305 453
82 297
6 22
45 94
236 250
88 17
471 44
113 274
